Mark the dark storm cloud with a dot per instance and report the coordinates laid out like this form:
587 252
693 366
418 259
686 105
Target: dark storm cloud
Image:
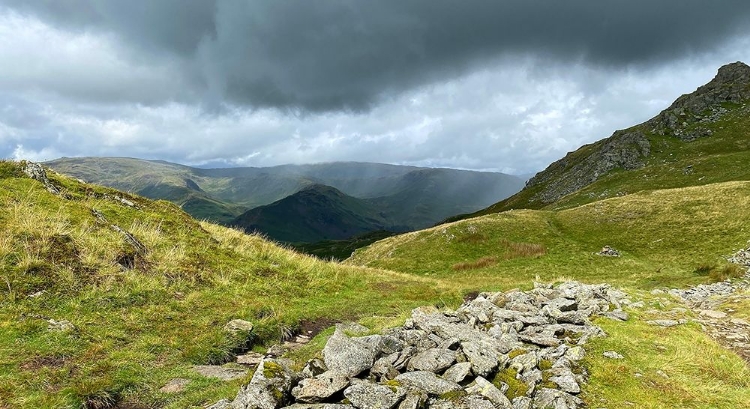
325 55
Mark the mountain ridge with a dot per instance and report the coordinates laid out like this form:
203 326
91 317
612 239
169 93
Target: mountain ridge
692 118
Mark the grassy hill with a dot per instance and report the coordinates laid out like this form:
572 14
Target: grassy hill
143 317
417 197
701 138
315 213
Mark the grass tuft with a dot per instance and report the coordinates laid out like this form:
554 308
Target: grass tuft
473 265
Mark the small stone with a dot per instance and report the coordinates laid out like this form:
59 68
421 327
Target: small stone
348 355
612 355
485 388
222 404
576 353
238 325
433 360
60 326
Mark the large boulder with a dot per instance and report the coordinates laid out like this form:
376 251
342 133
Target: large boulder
349 356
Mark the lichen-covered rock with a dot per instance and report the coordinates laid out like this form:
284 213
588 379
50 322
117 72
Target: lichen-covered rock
428 382
366 395
269 388
458 372
485 388
547 398
432 360
348 355
321 387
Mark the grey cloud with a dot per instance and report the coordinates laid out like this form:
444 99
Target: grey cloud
328 55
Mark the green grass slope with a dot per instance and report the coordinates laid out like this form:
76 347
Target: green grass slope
143 318
314 214
702 138
666 237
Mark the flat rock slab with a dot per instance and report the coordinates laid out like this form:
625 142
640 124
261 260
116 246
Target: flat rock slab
251 358
713 314
220 372
664 323
175 385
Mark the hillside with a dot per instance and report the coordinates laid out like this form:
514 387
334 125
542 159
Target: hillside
113 295
701 138
417 197
314 214
116 296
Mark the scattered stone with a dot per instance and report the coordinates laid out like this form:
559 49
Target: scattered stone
612 355
60 326
175 385
238 325
225 373
608 251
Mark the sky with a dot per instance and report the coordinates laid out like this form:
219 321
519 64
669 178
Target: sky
494 85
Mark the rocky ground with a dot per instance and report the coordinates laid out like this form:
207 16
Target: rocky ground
514 350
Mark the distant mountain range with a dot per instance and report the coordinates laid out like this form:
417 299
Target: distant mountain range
304 203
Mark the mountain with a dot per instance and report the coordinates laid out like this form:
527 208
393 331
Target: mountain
701 138
416 197
315 213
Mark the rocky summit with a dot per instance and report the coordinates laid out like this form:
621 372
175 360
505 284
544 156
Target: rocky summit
514 350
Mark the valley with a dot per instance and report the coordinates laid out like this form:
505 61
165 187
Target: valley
107 297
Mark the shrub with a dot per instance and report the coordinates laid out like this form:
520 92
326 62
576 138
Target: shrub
473 265
729 271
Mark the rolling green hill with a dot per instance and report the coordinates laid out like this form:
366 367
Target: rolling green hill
315 213
701 138
415 197
146 290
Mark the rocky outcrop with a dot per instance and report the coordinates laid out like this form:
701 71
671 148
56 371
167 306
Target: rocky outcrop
466 358
686 119
626 150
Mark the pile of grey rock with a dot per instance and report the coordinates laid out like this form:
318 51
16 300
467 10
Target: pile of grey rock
608 251
514 350
741 257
